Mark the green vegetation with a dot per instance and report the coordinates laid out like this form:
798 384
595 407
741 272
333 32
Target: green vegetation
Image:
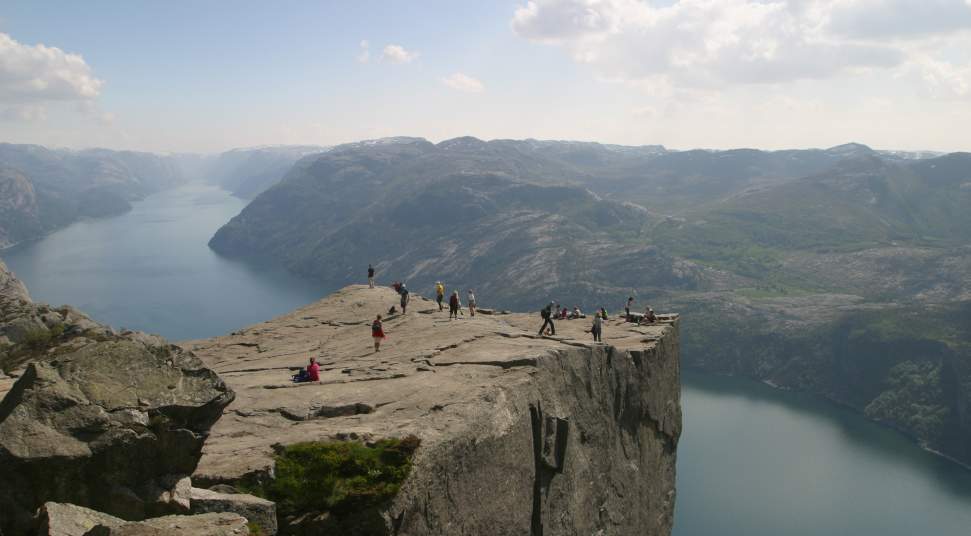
344 484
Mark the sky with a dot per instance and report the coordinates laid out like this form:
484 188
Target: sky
185 76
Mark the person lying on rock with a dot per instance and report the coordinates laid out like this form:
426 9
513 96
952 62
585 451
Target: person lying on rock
309 374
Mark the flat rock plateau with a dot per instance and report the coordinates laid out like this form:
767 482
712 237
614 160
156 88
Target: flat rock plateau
520 434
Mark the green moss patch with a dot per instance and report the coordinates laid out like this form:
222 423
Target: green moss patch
337 485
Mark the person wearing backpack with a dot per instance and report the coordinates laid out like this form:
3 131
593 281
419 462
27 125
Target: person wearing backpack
377 333
439 294
454 305
597 328
404 298
547 314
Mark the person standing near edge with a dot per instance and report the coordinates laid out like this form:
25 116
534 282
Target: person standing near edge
547 314
439 294
370 276
404 298
597 328
377 333
453 306
471 303
630 302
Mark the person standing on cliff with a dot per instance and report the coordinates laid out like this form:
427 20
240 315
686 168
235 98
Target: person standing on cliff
370 276
471 303
547 314
453 306
404 298
597 328
630 303
439 294
377 333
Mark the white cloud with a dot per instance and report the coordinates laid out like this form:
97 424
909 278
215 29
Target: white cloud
463 82
365 54
24 112
40 73
709 43
398 54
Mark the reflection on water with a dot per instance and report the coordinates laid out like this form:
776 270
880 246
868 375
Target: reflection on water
757 461
151 269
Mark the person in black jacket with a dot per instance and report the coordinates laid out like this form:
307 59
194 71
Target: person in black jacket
370 276
547 314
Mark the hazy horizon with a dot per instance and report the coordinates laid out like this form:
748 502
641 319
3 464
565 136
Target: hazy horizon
685 74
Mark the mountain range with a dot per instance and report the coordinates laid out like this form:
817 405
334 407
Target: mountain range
842 271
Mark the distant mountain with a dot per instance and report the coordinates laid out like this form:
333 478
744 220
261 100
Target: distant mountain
248 172
43 189
842 271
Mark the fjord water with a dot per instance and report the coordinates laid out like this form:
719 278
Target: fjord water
752 461
151 269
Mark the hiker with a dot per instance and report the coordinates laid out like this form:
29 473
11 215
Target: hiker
377 333
649 316
471 303
309 374
439 294
397 286
547 314
597 328
630 302
404 298
370 276
603 313
453 305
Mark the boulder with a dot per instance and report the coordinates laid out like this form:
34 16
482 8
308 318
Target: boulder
259 512
58 519
217 524
116 425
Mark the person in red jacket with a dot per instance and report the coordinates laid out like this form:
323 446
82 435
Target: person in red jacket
313 370
377 333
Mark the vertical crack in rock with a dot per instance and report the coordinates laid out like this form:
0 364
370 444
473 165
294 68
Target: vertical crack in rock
550 435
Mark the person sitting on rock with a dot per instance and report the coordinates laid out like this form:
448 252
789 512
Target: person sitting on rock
547 313
576 313
454 305
649 316
309 374
377 333
439 294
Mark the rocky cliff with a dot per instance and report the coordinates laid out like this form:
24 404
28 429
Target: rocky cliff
519 434
89 416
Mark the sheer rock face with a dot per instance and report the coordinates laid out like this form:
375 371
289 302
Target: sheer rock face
520 434
110 421
56 519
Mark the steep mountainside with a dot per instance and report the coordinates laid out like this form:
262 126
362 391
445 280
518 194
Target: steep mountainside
43 189
248 172
748 243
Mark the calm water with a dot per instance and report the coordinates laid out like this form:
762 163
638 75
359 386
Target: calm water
752 461
151 269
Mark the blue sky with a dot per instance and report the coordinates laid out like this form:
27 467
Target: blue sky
207 76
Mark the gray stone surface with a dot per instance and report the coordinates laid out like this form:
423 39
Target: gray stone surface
59 519
218 524
259 512
520 434
114 422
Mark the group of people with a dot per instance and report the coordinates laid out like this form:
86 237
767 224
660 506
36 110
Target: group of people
549 313
552 311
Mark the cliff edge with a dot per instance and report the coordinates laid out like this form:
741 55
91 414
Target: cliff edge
520 434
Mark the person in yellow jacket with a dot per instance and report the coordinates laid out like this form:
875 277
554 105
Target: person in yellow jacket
439 294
